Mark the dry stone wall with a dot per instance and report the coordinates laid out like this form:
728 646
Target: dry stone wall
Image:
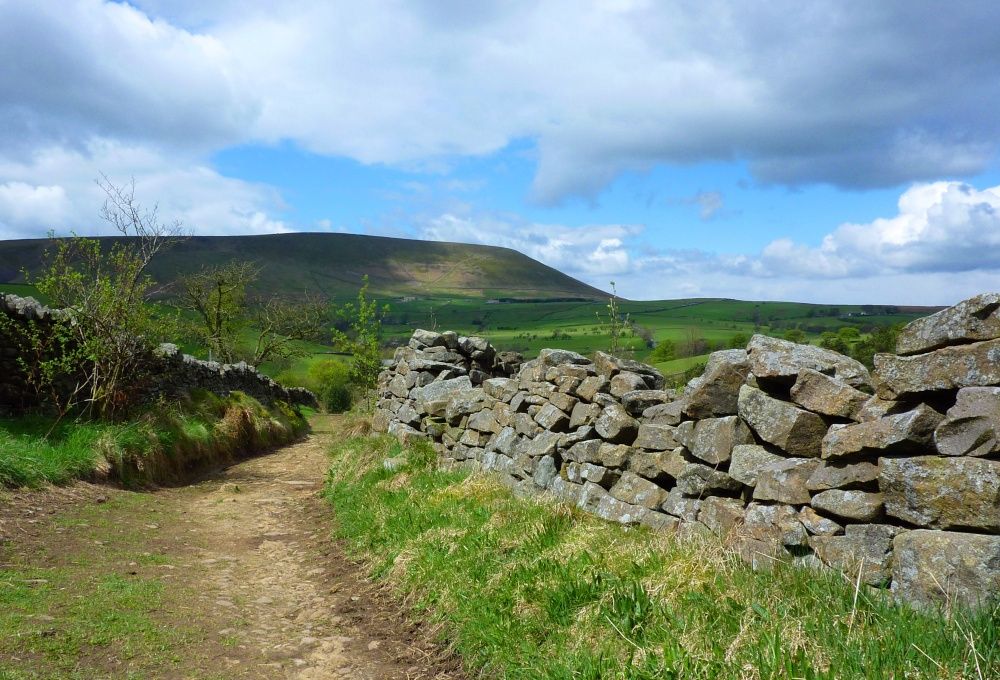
170 372
784 451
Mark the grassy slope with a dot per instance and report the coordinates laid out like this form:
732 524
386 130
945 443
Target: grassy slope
159 446
332 265
528 589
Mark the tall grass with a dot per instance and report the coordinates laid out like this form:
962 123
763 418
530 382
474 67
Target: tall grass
531 589
160 445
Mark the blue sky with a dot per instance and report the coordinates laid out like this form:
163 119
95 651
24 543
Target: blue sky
828 152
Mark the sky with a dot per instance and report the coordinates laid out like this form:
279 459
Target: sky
829 151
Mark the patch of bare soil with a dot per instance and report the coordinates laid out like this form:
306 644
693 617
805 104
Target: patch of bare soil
253 571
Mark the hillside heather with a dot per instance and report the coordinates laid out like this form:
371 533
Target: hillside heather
786 452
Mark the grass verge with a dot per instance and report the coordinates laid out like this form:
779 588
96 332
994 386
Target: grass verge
533 589
159 446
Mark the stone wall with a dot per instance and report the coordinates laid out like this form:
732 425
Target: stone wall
784 451
172 373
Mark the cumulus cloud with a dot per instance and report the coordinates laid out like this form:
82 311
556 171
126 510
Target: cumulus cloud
887 93
205 201
594 252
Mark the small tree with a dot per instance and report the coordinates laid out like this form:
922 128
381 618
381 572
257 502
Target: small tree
106 290
363 341
219 298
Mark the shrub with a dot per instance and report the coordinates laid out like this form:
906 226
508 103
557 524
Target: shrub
331 380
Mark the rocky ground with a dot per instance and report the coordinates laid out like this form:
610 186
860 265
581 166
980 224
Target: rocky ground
250 583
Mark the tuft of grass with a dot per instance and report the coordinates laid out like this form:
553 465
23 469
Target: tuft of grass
535 589
160 445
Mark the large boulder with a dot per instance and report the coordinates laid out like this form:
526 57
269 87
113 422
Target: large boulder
972 426
942 493
949 368
712 440
941 568
970 320
716 392
790 428
827 395
780 361
910 432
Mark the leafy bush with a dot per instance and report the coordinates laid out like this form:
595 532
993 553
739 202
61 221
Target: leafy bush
332 384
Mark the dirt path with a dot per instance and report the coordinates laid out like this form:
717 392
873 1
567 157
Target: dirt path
253 580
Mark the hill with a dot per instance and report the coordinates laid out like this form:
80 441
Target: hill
332 265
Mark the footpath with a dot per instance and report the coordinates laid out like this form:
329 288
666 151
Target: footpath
232 576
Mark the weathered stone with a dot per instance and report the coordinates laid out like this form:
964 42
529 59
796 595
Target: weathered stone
597 501
784 481
626 382
591 386
818 525
712 440
657 521
856 506
545 471
865 551
484 421
907 432
637 401
793 430
568 439
635 490
774 523
397 386
721 515
566 384
584 414
716 392
519 402
565 491
506 442
876 408
829 396
941 568
611 366
526 425
972 426
502 389
433 399
381 419
422 338
563 402
580 473
498 462
615 425
473 438
701 480
781 361
578 372
503 413
942 493
666 414
831 475
599 452
404 433
407 414
970 320
544 444
556 357
539 389
950 368
748 460
659 466
551 418
679 505
654 437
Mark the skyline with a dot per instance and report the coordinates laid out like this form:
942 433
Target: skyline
763 151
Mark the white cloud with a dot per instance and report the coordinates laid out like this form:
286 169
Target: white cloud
861 96
594 252
205 201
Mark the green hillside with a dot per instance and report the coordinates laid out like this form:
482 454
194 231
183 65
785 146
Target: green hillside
332 265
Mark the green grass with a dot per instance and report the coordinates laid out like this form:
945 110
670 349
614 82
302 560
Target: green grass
160 445
530 589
